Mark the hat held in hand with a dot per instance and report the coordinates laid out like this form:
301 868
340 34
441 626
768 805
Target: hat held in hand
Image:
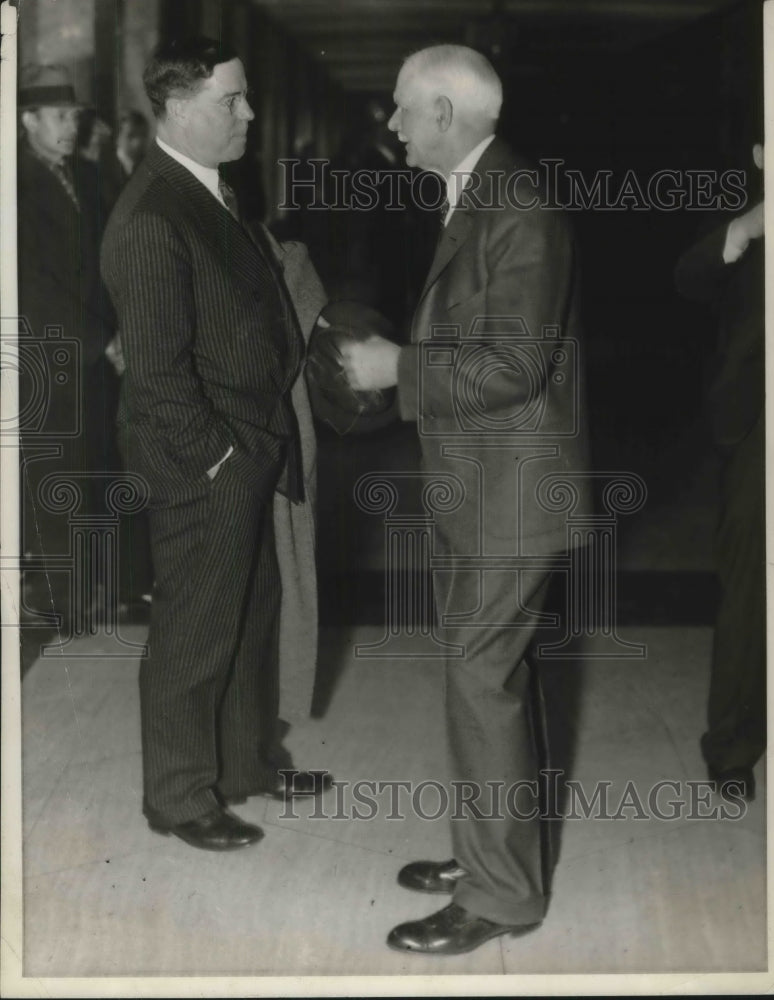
334 401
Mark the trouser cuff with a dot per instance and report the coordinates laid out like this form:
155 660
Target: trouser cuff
500 911
194 808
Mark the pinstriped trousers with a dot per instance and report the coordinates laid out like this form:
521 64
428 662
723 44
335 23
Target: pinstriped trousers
209 688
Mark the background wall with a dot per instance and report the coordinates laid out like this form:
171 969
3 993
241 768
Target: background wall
60 31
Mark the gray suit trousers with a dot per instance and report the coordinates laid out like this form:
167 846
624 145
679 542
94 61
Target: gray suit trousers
493 713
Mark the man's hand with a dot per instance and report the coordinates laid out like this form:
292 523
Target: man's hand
370 364
740 231
115 355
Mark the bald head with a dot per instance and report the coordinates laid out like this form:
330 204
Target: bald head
448 99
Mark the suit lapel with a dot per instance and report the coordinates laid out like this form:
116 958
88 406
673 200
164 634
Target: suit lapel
214 221
248 256
452 238
50 196
464 215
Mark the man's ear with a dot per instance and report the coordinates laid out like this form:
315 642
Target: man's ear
444 113
29 120
176 110
758 155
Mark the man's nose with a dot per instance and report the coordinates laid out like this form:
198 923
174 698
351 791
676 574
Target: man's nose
393 124
245 111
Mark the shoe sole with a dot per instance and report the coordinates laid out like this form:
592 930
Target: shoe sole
426 889
204 847
239 800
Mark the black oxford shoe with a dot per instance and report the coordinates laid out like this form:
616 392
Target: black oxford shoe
218 830
291 783
288 785
451 931
431 876
735 783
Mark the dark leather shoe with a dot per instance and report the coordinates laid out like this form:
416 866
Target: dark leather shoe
451 931
431 876
289 784
734 783
218 830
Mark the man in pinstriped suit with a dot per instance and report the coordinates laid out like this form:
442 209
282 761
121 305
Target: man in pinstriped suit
212 349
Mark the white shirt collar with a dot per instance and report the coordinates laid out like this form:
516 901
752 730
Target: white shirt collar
460 176
208 176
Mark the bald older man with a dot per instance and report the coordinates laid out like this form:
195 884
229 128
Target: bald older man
491 379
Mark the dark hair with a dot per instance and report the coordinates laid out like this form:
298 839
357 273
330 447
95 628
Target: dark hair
178 66
134 119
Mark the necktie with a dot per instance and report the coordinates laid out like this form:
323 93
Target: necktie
443 211
63 176
229 198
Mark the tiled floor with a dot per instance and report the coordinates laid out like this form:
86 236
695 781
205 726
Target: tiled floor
105 896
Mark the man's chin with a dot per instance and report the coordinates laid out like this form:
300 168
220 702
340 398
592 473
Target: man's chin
235 151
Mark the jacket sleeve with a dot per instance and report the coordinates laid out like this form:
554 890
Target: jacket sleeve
529 271
701 269
149 273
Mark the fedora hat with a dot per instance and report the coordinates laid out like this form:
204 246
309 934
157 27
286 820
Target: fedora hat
333 400
46 87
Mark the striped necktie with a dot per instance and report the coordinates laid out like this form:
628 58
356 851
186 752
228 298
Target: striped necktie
62 174
443 211
229 198
61 171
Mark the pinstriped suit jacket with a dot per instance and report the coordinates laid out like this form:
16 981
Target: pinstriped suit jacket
210 339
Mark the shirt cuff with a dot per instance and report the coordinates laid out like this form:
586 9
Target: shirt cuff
214 470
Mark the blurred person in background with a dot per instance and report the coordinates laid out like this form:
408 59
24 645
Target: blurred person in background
131 140
119 163
94 136
59 230
725 270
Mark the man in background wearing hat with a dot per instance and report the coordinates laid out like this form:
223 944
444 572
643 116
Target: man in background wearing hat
59 231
